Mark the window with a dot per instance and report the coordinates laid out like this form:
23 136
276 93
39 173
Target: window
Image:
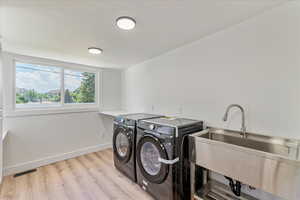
37 85
79 87
42 86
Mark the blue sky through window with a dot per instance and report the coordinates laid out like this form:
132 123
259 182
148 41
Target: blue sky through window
72 79
45 78
40 78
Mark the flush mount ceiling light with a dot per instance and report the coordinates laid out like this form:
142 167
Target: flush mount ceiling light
126 23
95 50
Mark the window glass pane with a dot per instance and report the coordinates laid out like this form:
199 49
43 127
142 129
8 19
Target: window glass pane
37 85
79 87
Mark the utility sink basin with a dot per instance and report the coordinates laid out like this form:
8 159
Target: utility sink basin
269 163
275 146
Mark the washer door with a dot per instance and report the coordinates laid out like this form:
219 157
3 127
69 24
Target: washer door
149 152
122 144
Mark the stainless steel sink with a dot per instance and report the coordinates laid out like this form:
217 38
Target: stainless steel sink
269 163
275 146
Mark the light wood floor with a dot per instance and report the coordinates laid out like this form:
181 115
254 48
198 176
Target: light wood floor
88 177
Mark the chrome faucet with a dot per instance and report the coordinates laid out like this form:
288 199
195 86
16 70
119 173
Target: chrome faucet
243 129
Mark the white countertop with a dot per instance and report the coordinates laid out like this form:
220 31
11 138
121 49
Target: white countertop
114 113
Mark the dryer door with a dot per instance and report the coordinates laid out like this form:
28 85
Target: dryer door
122 143
149 153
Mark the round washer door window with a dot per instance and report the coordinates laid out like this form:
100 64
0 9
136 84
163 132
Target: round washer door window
122 144
149 150
149 158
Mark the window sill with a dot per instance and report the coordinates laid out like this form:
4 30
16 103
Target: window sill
49 111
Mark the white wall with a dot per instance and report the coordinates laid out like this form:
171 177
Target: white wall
111 90
39 138
255 64
1 130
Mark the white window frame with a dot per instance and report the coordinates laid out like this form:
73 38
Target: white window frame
61 105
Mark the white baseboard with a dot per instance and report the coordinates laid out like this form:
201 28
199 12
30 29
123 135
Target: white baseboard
52 159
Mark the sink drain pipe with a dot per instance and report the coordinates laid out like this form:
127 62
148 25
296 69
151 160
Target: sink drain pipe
235 187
